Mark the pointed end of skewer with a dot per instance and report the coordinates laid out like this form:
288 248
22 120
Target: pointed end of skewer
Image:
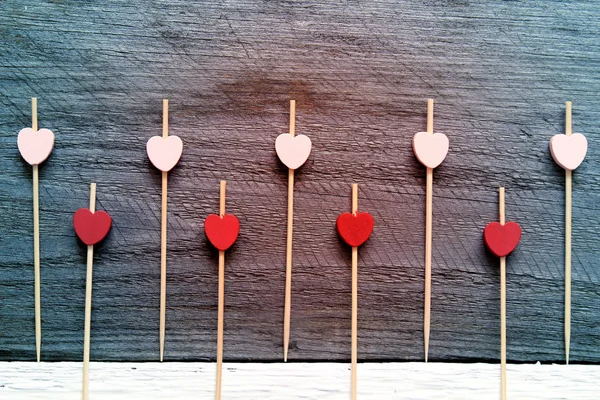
286 347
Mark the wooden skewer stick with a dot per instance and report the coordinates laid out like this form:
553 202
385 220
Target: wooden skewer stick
428 239
502 304
88 304
568 210
221 310
288 258
36 241
354 298
163 239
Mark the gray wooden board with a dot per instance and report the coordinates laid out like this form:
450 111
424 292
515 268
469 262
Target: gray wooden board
360 72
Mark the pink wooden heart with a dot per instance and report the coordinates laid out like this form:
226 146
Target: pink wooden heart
568 151
164 153
35 146
430 149
293 151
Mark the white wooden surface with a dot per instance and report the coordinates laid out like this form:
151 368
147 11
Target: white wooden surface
323 381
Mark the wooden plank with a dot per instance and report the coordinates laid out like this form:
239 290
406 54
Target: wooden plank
360 72
330 381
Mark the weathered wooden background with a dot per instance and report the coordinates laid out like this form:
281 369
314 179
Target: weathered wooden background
360 72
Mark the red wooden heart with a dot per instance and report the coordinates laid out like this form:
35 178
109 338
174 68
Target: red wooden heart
222 231
355 229
502 239
91 227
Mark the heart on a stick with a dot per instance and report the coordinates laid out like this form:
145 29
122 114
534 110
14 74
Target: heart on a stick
91 227
293 151
164 153
355 229
35 146
222 232
502 239
430 148
568 150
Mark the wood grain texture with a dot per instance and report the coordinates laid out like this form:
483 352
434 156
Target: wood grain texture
328 381
360 72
